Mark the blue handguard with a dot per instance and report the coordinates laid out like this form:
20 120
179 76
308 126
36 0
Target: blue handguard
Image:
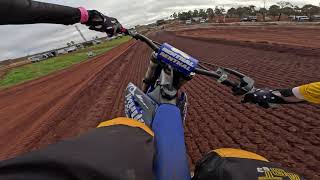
170 158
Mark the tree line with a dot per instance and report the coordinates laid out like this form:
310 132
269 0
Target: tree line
279 9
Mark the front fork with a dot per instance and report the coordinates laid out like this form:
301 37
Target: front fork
165 89
162 82
170 158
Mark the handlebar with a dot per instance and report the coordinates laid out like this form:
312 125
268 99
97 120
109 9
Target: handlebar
245 83
148 41
215 75
170 160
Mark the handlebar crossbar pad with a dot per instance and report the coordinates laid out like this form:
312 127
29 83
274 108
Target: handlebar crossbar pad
177 59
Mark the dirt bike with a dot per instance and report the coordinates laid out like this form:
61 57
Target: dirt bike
160 99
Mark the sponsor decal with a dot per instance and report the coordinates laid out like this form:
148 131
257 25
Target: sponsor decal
130 106
276 174
142 101
132 89
178 59
180 52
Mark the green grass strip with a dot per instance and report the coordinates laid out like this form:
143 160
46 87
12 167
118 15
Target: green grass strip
31 71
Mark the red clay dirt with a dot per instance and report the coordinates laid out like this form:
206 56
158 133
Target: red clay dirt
70 102
306 36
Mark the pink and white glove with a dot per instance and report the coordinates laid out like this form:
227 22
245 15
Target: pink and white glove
99 22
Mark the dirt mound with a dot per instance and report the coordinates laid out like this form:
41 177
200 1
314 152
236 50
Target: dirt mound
57 106
72 101
288 135
301 41
305 36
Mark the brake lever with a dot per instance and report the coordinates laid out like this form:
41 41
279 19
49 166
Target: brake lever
133 33
234 72
246 84
224 75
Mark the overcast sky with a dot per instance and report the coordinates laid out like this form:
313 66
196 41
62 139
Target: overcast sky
17 41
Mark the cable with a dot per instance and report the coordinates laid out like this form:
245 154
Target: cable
203 67
157 43
211 64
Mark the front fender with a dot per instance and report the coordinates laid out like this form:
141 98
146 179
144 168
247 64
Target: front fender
171 158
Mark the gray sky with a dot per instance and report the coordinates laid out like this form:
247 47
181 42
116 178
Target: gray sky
21 40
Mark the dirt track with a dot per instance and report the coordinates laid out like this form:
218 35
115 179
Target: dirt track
70 102
306 36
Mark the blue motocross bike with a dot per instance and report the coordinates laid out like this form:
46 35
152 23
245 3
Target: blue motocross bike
161 105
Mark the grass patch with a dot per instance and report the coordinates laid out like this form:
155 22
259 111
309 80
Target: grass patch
31 71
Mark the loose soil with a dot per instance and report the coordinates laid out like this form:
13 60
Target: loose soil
72 101
306 36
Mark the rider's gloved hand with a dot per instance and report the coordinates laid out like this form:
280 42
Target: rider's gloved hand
99 22
264 97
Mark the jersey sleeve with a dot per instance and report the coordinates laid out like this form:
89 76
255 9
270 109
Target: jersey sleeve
311 92
30 12
118 149
236 164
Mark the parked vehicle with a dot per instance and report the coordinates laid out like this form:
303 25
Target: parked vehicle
38 58
315 18
97 41
304 18
71 49
249 19
202 21
61 51
301 18
188 22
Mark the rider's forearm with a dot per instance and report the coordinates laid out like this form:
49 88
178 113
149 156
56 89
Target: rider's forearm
288 95
297 94
309 92
29 12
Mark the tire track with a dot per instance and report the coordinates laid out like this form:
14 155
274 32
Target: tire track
287 135
86 94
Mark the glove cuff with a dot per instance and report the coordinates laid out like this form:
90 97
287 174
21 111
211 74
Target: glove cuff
123 30
84 15
286 92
